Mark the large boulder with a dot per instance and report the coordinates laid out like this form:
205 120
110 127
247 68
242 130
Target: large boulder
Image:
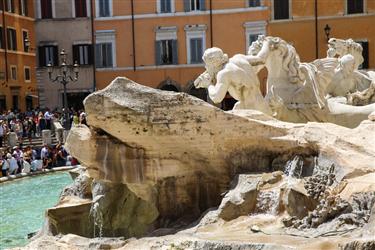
177 154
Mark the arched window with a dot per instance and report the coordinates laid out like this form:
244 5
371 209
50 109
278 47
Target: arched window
169 85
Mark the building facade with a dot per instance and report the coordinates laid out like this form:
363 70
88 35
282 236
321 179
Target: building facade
308 24
18 89
64 24
160 43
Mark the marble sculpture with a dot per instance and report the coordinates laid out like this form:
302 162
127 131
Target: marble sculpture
331 89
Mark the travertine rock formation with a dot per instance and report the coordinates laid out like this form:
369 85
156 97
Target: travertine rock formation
160 159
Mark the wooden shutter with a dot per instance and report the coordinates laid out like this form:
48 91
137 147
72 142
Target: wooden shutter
158 60
202 5
42 56
187 5
81 9
90 54
76 54
199 49
281 9
55 56
174 52
365 64
109 57
98 56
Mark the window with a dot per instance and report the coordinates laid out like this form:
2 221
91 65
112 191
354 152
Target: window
46 9
27 74
103 8
1 5
194 5
354 6
165 6
80 8
253 30
13 72
12 39
2 42
365 64
254 3
82 54
25 36
104 58
24 11
48 54
9 6
281 9
195 42
166 45
166 52
196 51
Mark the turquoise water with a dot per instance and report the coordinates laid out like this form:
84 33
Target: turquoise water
23 204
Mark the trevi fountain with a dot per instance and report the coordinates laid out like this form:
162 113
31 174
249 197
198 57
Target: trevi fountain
294 169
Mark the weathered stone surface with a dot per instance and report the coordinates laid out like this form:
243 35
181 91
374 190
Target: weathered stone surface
178 154
241 200
70 215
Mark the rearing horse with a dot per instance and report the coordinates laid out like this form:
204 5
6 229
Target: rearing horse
297 84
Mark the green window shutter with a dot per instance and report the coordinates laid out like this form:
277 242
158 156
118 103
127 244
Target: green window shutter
42 56
55 56
158 60
202 5
76 54
174 52
187 5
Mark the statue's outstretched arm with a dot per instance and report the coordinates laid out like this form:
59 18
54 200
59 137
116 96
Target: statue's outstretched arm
218 91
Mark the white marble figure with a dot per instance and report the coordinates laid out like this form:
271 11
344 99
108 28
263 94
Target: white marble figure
236 76
329 89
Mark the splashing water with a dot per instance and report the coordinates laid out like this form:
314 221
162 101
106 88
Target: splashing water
97 215
268 202
294 168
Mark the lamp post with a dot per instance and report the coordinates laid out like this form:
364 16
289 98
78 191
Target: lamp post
327 31
64 77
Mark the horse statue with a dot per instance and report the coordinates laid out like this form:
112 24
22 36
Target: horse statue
303 87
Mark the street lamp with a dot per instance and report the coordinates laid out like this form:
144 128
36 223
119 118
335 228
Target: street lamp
64 77
327 31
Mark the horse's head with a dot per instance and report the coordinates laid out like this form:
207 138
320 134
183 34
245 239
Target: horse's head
278 53
341 47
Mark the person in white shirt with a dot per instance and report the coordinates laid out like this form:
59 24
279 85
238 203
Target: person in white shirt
26 167
44 152
13 166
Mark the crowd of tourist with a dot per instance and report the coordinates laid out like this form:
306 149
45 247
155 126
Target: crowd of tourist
29 125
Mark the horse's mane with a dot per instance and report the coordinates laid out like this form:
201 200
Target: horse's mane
291 60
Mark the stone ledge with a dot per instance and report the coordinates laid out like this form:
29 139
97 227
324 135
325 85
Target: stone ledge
45 171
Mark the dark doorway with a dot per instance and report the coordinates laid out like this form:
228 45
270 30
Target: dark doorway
169 87
3 103
15 102
29 103
75 99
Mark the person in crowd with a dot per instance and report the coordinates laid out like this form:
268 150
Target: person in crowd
4 164
42 123
82 118
60 156
13 166
75 119
18 154
48 117
2 132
